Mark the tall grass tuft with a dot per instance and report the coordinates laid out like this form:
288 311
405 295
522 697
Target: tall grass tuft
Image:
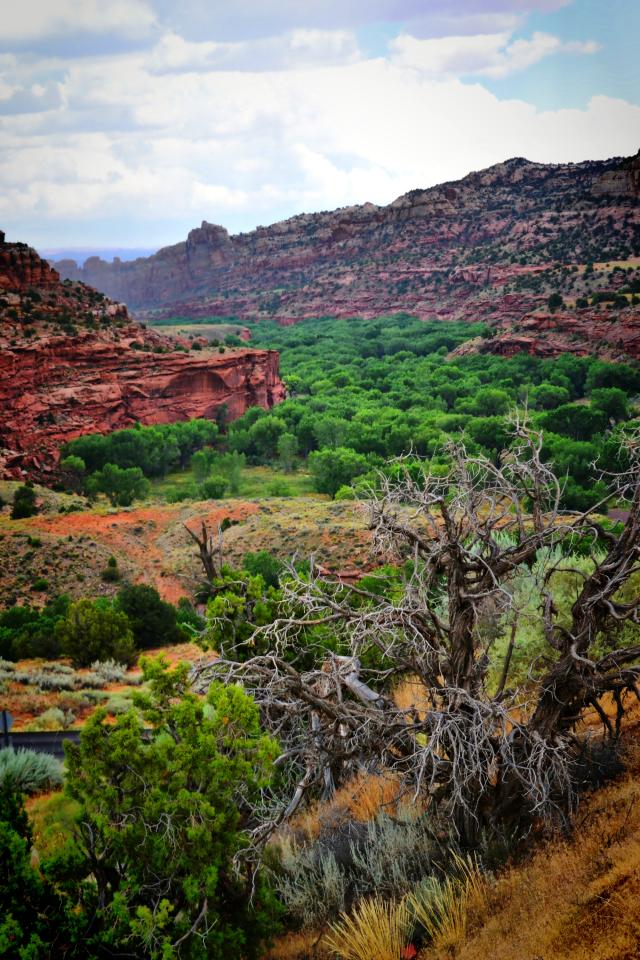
29 771
375 929
443 907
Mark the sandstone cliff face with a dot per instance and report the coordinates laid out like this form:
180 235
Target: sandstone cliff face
73 363
21 268
466 250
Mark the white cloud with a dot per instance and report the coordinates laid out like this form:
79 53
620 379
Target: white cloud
300 48
492 55
22 22
137 147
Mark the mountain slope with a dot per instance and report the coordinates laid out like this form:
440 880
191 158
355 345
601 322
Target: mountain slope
491 247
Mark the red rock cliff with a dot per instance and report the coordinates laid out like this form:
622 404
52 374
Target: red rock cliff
489 247
72 362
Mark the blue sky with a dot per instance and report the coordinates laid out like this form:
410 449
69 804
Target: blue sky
124 123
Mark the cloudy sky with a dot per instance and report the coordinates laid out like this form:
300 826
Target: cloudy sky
123 123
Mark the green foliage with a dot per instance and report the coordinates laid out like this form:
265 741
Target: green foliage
381 388
287 449
73 471
29 771
155 450
265 565
95 631
332 469
121 485
555 302
214 487
163 813
24 503
278 488
238 603
36 919
30 632
152 621
111 573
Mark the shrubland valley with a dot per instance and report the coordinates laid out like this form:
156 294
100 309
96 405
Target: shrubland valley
320 583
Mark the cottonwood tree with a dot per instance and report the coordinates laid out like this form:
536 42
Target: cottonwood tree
485 756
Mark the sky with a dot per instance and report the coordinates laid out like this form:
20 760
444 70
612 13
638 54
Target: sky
125 123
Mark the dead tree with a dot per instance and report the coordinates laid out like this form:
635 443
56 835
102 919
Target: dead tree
209 548
483 757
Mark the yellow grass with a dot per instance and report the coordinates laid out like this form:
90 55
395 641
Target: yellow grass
362 799
573 900
443 908
375 929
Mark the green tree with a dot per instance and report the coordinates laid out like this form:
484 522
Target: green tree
24 502
547 396
230 465
95 631
36 920
166 794
329 432
121 485
264 436
332 469
287 450
152 620
555 302
239 601
264 564
575 420
612 401
73 472
214 487
201 463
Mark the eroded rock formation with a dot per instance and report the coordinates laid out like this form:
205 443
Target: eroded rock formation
482 248
72 362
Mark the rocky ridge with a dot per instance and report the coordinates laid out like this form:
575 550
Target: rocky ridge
73 362
491 247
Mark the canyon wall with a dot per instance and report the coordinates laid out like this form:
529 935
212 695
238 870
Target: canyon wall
73 362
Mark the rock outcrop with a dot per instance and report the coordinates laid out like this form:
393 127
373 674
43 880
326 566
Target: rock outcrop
482 248
72 362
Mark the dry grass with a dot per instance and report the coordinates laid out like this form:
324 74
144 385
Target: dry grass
444 908
375 929
294 946
573 900
362 799
411 694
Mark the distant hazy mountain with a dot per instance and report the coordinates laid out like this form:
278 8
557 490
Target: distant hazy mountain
81 254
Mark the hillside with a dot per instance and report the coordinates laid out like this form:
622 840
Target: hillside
491 247
74 362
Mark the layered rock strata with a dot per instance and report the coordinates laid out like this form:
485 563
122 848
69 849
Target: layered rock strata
72 362
487 247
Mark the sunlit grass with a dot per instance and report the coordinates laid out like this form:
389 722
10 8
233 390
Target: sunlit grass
375 929
255 484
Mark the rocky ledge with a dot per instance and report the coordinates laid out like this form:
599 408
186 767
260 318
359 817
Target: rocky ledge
72 362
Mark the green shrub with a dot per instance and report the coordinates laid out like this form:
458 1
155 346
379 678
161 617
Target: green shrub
24 502
152 620
278 488
213 488
111 574
29 771
95 631
53 719
196 766
179 494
